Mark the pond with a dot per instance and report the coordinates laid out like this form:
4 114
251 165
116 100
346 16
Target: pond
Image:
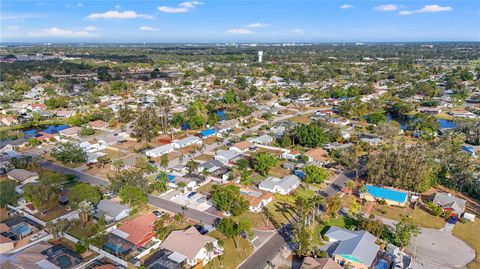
444 124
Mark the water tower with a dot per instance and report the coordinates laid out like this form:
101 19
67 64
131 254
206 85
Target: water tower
260 56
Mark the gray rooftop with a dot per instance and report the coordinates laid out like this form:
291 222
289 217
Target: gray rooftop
110 208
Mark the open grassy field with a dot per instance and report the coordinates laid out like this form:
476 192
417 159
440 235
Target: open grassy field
470 233
233 255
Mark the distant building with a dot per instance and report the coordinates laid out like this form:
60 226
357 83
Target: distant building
260 56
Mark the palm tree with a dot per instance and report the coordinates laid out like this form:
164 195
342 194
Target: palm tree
192 166
209 248
118 165
332 204
85 211
163 104
350 185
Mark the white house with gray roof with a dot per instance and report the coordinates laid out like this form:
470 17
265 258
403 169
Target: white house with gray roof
354 248
450 203
284 185
262 140
187 141
112 211
159 151
225 156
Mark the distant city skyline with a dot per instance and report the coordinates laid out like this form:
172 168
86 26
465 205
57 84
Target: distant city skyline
166 21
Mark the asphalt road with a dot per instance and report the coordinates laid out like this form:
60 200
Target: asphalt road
196 215
271 248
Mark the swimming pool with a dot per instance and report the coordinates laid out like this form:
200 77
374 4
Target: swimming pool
381 264
64 261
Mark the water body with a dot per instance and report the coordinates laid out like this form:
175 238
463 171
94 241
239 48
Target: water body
444 124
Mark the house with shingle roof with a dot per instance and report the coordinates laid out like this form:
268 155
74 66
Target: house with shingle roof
194 251
450 203
112 211
22 176
283 185
354 248
138 231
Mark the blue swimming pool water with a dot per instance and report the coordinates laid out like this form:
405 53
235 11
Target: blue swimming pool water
381 264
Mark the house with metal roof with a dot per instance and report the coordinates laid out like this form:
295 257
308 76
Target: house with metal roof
353 248
159 151
225 156
262 140
283 185
187 141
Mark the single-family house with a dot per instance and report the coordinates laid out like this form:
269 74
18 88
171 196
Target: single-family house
284 185
212 165
70 132
22 176
353 248
207 133
194 250
138 231
256 198
262 140
98 125
291 154
227 125
159 151
391 196
317 155
225 156
165 259
187 141
242 147
9 120
111 211
450 203
319 263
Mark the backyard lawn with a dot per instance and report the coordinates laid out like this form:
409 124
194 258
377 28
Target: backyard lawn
52 213
278 171
77 230
232 256
305 118
256 219
418 216
469 233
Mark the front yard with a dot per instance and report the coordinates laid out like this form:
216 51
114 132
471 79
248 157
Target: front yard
232 256
469 233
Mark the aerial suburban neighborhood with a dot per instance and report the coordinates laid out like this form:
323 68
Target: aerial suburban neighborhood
244 155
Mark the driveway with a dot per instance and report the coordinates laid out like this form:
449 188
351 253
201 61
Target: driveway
440 249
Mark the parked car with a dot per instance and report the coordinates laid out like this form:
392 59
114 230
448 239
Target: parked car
190 195
158 213
201 229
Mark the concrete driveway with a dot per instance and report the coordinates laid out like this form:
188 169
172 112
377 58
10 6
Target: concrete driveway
440 249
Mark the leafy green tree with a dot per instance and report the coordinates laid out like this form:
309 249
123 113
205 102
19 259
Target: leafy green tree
161 229
143 165
84 192
44 194
404 231
7 193
133 196
132 178
377 117
196 122
146 126
229 199
332 204
263 162
69 153
314 174
230 228
310 135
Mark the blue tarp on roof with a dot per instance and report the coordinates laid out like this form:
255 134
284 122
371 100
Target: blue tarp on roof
171 178
469 149
208 132
387 194
221 114
185 126
299 173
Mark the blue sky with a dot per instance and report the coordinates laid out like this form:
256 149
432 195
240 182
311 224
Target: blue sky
238 21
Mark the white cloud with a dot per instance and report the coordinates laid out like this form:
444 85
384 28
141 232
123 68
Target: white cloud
182 7
427 9
346 6
389 7
13 27
90 28
239 31
148 29
57 32
298 31
258 25
114 14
